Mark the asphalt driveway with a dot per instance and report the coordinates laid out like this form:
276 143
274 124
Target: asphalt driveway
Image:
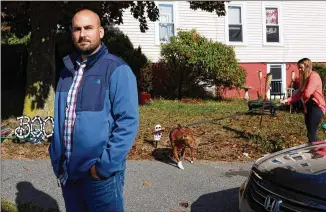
150 185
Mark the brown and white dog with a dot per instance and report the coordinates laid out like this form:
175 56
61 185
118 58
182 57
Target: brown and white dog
180 140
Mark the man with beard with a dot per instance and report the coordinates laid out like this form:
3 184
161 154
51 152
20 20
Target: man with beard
96 121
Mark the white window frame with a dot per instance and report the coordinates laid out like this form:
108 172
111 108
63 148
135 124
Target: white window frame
175 20
283 68
242 5
277 5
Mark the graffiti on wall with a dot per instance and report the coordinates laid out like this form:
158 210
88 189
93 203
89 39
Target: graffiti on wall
34 130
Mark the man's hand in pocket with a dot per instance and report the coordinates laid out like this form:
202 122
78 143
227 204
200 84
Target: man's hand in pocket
93 172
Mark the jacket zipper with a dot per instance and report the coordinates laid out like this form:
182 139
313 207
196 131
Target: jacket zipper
78 108
62 152
61 158
80 92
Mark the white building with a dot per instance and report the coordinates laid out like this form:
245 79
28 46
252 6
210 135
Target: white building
270 36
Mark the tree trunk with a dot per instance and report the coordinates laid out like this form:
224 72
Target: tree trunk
39 97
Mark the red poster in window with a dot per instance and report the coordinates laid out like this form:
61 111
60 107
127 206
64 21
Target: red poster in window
271 16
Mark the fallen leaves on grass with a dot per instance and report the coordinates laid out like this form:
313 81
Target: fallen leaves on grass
24 150
221 141
184 204
3 149
192 101
147 183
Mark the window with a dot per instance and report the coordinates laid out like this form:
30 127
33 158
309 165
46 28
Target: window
278 84
235 24
166 22
272 25
276 71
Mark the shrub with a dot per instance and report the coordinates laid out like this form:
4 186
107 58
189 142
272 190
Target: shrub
14 40
120 45
192 61
10 38
146 78
321 70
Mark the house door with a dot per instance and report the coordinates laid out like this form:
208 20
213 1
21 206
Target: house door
278 84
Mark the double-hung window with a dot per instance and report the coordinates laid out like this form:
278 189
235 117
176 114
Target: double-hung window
272 24
166 23
235 32
235 24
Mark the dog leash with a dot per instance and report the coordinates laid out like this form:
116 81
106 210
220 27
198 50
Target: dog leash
221 118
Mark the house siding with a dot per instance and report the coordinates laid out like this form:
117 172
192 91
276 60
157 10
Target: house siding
303 22
252 79
204 22
303 34
207 24
146 40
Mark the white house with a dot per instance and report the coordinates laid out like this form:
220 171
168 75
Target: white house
270 36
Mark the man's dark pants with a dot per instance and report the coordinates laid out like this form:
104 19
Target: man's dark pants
93 195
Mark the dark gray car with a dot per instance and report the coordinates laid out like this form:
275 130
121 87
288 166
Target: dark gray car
293 179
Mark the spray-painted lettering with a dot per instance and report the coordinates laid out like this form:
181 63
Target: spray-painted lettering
33 129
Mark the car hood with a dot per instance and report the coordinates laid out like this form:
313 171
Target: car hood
301 168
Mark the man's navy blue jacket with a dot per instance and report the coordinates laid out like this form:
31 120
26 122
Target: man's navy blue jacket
107 116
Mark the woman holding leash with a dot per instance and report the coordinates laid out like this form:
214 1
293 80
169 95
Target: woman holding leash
310 91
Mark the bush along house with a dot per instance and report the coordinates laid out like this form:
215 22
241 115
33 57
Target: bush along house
267 36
